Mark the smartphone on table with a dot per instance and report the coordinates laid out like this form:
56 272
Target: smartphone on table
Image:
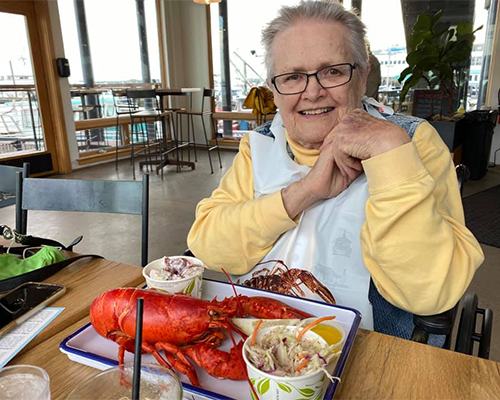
24 301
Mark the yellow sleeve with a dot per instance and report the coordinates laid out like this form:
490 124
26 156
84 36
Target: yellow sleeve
415 243
233 230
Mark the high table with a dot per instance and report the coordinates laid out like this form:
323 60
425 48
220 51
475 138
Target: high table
379 366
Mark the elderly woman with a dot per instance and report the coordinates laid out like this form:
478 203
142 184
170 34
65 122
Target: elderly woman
361 204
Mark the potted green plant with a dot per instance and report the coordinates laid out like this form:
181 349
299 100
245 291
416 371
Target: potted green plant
437 54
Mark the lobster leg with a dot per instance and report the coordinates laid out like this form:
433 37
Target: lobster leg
179 361
218 363
184 366
314 285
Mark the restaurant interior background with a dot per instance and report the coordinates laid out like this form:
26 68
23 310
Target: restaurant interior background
50 121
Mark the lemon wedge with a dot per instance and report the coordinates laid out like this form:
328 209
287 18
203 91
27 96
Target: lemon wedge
247 325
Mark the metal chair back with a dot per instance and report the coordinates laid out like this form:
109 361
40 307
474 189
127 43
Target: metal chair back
8 180
120 101
120 197
141 93
210 93
142 99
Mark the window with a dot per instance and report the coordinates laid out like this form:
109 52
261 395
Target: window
20 124
114 41
245 53
115 54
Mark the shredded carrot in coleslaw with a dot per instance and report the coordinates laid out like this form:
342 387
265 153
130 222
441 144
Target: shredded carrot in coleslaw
312 325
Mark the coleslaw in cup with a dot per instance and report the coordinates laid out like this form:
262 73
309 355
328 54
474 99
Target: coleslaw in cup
175 274
280 367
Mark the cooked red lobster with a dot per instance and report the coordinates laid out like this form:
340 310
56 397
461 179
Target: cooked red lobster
183 326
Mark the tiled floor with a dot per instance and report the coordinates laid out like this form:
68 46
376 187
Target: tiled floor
172 209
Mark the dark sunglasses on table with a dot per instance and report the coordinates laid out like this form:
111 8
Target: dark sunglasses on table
328 77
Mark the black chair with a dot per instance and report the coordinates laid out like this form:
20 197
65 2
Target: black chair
8 181
442 324
467 335
145 111
202 113
121 105
121 197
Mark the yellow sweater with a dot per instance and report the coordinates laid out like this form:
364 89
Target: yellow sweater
415 244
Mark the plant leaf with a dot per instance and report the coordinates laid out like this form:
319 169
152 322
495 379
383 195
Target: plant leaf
424 22
478 29
404 74
409 83
438 47
464 27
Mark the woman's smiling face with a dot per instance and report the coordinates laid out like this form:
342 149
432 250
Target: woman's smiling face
309 46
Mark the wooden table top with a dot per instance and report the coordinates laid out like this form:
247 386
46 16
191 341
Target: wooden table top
384 367
379 366
64 374
85 280
79 92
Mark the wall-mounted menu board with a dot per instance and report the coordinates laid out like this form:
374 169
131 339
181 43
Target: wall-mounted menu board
429 102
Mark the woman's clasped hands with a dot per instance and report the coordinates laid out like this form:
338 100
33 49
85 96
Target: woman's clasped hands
357 137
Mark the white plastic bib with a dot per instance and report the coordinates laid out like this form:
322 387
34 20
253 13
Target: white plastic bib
326 241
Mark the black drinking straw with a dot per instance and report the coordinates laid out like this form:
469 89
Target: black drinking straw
136 380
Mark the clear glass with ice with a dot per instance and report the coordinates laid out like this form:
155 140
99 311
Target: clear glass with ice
157 383
24 382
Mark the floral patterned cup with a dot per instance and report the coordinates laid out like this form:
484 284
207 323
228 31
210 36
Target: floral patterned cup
270 387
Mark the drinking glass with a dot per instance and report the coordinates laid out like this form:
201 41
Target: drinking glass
157 383
24 382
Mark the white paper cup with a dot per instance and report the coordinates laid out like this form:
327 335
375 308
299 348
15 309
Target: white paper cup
270 387
190 285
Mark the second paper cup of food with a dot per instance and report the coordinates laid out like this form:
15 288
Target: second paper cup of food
191 285
270 387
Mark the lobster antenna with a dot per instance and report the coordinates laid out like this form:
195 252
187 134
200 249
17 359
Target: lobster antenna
275 262
234 289
232 337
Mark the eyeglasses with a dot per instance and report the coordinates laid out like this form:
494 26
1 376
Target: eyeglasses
328 77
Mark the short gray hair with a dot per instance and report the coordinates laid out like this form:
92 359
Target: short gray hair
326 10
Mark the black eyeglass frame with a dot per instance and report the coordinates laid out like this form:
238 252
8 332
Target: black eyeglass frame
353 67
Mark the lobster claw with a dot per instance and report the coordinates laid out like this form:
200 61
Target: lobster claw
217 363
